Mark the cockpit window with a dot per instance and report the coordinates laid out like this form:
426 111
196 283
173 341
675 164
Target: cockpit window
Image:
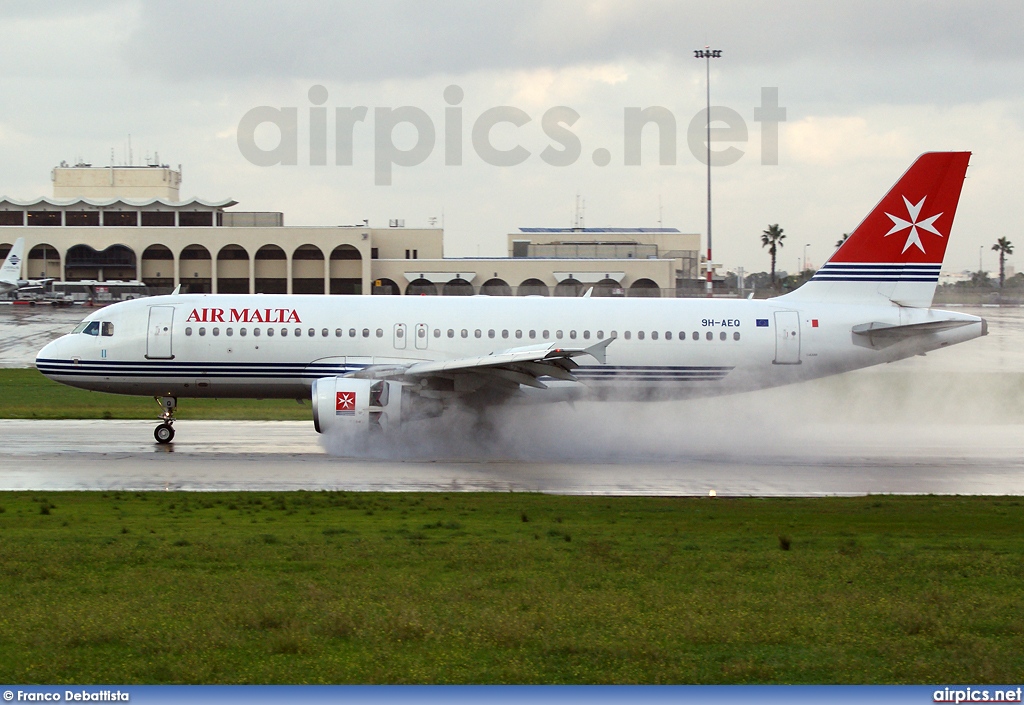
80 327
93 328
107 328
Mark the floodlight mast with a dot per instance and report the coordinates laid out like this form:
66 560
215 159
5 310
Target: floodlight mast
707 53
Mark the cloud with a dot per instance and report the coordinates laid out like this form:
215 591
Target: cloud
356 41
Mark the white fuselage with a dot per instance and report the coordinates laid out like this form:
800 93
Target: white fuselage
262 346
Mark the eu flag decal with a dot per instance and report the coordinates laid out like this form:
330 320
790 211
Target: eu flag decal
762 322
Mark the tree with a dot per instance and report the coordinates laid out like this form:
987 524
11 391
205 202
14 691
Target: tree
772 239
1003 247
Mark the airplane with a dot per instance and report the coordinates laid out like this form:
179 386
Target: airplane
369 362
10 271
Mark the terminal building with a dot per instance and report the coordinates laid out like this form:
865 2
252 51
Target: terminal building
123 223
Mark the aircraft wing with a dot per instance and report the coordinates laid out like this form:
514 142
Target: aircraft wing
511 368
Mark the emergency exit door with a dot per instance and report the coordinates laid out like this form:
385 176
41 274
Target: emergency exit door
158 340
787 338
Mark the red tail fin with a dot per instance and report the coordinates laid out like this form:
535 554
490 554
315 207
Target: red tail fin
897 251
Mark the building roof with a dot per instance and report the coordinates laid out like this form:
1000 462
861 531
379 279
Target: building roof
108 202
598 230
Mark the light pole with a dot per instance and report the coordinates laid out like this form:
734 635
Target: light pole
981 248
804 267
708 54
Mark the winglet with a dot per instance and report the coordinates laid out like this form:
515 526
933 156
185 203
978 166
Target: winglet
589 292
177 290
598 350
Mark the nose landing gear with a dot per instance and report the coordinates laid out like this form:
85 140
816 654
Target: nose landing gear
164 433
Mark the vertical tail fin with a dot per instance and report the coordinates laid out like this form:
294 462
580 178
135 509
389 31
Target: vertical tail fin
10 271
895 254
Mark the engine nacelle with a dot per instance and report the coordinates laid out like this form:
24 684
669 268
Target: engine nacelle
348 402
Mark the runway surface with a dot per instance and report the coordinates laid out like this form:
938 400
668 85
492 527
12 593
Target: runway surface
229 455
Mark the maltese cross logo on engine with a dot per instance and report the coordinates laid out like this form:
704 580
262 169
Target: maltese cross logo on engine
914 211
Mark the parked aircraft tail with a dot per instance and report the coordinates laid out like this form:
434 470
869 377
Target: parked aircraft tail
896 253
10 271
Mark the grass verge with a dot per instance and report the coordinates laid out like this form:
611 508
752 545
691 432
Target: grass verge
27 394
331 587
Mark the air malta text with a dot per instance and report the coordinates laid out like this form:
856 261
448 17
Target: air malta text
244 315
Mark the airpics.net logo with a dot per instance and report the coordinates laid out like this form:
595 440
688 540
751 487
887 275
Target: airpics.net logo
728 132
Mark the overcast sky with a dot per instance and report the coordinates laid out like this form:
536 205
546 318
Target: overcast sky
867 86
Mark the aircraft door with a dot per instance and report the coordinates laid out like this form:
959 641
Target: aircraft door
399 336
787 338
422 336
158 338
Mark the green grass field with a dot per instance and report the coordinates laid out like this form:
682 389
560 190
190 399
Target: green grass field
27 394
508 588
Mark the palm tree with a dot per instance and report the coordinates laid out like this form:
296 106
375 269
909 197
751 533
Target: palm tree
772 239
1003 247
840 241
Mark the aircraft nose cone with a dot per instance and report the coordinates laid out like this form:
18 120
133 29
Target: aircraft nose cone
50 351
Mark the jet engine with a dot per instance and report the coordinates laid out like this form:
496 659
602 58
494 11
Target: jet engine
345 402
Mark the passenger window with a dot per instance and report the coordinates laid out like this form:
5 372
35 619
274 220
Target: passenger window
241 332
682 335
366 332
639 335
216 331
465 333
490 333
108 328
586 335
696 335
399 333
558 334
519 334
202 331
668 335
298 332
477 333
188 330
654 335
284 332
504 334
380 332
228 332
256 332
600 335
546 334
323 332
337 332
451 333
437 332
421 332
627 335
736 335
721 336
613 334
709 335
93 328
351 332
532 334
270 332
572 334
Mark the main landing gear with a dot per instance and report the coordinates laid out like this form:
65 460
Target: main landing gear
164 433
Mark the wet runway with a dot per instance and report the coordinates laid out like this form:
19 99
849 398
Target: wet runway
230 455
948 423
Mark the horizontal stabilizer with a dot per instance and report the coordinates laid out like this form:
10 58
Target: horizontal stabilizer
881 335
